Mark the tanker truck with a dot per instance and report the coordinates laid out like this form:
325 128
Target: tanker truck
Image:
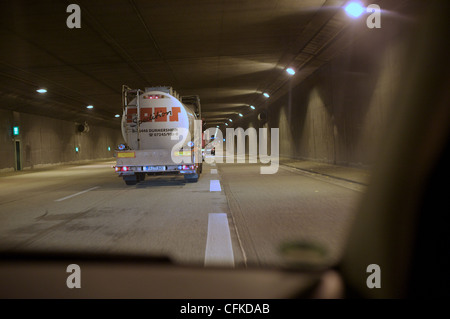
162 134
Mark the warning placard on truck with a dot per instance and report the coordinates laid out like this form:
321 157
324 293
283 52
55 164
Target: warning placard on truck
126 154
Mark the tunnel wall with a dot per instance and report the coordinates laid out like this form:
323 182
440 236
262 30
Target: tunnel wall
338 114
48 141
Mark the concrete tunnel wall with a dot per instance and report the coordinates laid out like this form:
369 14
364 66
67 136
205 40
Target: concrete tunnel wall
339 113
48 141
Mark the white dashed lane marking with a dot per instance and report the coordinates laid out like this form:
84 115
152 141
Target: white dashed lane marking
79 193
214 185
219 250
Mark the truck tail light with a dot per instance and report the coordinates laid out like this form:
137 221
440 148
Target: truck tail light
185 167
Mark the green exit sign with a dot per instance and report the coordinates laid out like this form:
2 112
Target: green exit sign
15 130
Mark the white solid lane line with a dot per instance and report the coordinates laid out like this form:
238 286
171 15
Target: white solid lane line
214 185
219 250
213 171
79 193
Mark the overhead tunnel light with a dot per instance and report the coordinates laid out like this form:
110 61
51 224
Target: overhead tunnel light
266 94
230 120
41 91
354 9
240 114
90 107
290 71
117 115
252 107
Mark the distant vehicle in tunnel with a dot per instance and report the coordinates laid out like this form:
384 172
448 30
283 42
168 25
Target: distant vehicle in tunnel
211 151
158 128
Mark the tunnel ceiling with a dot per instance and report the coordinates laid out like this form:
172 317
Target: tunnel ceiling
227 52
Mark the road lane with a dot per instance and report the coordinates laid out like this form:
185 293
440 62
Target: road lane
291 206
162 215
56 180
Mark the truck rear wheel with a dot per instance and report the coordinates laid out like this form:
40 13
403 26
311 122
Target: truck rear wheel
191 178
130 179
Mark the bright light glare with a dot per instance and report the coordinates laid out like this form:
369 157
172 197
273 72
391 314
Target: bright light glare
354 9
230 120
226 124
290 71
252 107
90 107
42 91
117 115
266 94
241 115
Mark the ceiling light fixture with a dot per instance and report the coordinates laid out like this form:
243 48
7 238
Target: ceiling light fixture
354 9
290 71
240 114
230 120
252 107
90 107
41 91
117 115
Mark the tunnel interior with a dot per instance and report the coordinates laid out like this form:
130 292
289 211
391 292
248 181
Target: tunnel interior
319 97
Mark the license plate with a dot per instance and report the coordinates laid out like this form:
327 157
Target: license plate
156 168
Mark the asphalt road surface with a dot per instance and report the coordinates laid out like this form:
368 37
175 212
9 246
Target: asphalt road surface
233 216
